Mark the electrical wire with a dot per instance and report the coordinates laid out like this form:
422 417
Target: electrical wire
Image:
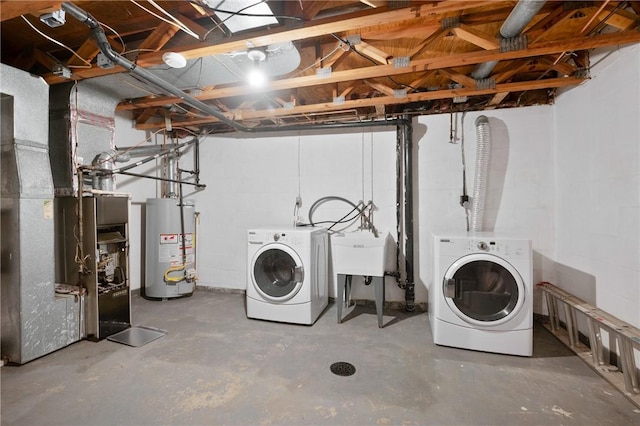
464 202
172 22
117 35
316 63
87 63
231 15
254 15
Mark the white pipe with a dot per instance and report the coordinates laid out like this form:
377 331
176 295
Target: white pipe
483 153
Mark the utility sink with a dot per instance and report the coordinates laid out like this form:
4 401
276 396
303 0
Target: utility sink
359 253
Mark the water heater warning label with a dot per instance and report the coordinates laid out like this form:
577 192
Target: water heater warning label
171 248
168 238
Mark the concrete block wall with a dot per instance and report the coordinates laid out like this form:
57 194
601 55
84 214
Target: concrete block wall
564 175
252 181
520 184
597 150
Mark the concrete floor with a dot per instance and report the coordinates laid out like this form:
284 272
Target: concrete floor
215 366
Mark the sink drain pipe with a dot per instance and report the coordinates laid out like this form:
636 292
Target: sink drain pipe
404 211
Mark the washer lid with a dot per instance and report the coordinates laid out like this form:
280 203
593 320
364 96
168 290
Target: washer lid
483 289
278 272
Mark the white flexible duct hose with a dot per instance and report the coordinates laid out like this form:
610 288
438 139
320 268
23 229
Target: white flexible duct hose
481 174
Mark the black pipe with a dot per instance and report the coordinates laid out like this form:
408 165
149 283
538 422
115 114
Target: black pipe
196 161
409 292
197 185
399 233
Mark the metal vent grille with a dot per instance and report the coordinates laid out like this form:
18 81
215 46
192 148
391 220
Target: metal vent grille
342 369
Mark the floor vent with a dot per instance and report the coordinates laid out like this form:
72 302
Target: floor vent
342 369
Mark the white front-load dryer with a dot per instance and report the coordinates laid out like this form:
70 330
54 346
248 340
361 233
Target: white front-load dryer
481 293
287 274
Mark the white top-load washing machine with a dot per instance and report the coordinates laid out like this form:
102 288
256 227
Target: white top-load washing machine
481 293
287 274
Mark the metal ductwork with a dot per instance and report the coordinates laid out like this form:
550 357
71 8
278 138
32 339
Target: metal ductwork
515 23
36 320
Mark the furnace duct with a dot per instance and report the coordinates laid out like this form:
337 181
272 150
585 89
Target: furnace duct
481 174
517 20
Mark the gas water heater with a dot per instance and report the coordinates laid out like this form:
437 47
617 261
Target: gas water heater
170 248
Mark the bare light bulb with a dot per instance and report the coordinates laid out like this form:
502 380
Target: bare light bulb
256 77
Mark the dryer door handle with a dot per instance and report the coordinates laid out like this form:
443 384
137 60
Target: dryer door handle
451 289
298 274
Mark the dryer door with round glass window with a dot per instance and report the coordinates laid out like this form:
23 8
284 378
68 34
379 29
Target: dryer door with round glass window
483 289
277 272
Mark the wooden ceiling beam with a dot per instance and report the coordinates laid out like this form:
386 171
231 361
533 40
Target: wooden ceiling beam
384 100
468 82
426 42
621 19
372 52
349 89
512 69
562 67
474 36
339 56
418 82
312 8
420 65
411 29
87 51
145 115
382 88
312 29
538 30
497 99
194 26
43 59
159 37
13 9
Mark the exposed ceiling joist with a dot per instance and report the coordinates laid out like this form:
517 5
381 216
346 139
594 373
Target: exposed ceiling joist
390 58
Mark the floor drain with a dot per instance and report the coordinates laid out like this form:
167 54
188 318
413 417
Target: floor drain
342 369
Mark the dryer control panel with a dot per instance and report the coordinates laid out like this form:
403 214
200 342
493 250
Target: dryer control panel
505 248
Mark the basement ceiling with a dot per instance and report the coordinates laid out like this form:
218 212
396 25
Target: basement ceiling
327 61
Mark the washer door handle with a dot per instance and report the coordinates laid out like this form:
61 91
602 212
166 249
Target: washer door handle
451 289
298 274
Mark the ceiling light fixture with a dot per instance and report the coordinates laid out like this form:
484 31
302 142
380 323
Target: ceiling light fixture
174 60
255 76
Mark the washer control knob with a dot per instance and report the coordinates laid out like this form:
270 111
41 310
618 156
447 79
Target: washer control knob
276 237
483 246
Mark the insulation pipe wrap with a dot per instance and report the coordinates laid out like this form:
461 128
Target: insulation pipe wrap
481 174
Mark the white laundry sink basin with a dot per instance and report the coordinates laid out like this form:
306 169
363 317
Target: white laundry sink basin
359 253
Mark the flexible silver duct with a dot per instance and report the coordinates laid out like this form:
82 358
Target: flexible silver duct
483 153
517 20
